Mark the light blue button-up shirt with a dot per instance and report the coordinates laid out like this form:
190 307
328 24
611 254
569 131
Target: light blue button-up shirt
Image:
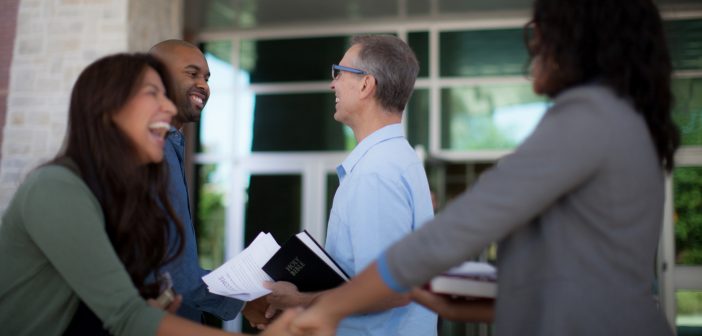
383 195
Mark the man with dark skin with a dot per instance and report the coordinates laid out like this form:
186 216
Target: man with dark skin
190 73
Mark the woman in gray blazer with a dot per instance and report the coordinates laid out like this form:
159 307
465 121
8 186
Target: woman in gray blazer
577 208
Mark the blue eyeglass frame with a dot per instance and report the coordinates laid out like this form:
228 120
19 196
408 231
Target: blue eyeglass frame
335 67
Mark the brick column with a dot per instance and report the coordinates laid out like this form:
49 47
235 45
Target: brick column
54 41
8 21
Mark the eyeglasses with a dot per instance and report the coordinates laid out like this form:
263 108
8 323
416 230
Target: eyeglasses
337 69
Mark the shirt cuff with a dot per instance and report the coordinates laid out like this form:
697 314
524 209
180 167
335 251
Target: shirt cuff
388 279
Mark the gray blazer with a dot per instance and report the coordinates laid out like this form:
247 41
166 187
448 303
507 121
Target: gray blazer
577 211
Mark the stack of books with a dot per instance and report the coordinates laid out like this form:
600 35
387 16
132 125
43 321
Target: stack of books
470 280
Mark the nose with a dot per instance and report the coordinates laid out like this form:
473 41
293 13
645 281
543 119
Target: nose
332 85
168 106
201 83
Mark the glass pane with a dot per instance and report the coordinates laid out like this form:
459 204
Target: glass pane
685 41
297 122
417 118
483 53
458 6
332 185
217 120
687 111
274 205
418 7
689 313
495 116
210 218
289 60
237 14
687 188
419 42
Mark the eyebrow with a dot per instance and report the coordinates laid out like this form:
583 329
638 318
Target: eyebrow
155 86
196 68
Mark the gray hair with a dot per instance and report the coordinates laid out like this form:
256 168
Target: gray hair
394 66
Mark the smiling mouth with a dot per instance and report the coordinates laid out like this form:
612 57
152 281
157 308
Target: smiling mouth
159 129
197 101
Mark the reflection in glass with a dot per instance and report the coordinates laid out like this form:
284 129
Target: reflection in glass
274 205
417 118
225 123
290 60
419 42
210 218
684 38
689 312
297 122
498 52
484 117
332 185
687 188
687 111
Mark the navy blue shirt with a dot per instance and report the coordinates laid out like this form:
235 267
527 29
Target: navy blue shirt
185 271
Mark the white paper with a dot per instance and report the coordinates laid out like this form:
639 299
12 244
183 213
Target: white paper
242 277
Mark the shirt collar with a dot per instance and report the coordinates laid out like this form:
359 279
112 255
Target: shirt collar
385 133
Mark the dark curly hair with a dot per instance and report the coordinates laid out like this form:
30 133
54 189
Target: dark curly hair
132 195
618 43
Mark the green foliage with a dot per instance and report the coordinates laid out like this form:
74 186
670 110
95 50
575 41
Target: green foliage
687 184
210 221
689 303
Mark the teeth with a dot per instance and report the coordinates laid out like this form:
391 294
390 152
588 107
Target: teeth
159 125
196 99
337 99
159 128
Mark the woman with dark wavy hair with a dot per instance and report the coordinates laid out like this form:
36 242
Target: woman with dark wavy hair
83 231
576 209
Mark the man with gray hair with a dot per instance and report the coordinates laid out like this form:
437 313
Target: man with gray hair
383 193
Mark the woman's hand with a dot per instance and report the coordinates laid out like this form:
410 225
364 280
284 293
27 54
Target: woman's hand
314 322
281 325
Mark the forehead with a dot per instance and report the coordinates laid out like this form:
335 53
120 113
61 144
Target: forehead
182 57
151 77
351 55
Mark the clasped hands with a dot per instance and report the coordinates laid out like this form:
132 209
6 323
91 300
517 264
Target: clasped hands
316 320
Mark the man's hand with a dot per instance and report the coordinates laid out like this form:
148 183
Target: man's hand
461 310
285 295
255 312
172 306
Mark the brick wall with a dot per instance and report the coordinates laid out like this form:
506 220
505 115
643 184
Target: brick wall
8 21
54 41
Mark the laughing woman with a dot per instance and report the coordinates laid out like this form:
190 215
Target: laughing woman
84 230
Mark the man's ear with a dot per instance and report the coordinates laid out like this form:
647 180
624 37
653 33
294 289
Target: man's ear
368 86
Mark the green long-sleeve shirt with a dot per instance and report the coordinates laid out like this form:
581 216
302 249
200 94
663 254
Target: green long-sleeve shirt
54 250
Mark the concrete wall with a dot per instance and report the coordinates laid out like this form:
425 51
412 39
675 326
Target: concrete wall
54 41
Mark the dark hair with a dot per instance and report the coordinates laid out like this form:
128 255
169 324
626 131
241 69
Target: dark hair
618 43
132 195
394 66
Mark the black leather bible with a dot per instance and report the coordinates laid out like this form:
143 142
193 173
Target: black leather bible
303 262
